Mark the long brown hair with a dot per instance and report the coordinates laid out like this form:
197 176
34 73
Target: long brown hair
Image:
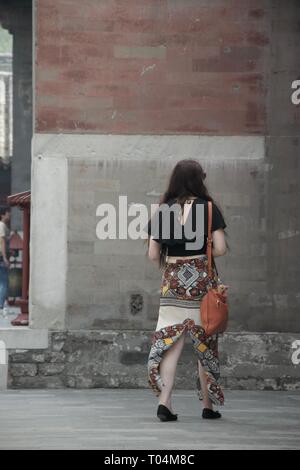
185 181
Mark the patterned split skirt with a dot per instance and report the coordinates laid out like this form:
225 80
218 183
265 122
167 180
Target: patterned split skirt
184 283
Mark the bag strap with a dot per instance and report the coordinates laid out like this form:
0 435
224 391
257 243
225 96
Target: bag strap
209 239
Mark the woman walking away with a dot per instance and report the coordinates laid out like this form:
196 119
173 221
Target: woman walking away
184 283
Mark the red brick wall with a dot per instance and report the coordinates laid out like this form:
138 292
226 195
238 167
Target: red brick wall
151 66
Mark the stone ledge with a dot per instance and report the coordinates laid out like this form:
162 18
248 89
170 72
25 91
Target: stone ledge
151 146
3 366
3 376
22 337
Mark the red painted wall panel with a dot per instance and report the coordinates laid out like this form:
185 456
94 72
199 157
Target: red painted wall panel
151 66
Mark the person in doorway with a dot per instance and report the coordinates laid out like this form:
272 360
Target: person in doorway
4 255
183 285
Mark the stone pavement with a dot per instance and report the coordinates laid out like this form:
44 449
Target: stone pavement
126 419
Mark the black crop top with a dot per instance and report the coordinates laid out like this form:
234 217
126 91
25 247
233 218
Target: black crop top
166 228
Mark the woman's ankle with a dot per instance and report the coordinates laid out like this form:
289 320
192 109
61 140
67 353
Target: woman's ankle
208 405
166 403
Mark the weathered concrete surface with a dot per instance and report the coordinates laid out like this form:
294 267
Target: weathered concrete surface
23 337
110 358
78 281
126 419
48 242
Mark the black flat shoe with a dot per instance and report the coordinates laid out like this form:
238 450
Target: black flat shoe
210 414
164 414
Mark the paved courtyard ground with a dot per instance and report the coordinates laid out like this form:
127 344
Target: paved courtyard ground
126 419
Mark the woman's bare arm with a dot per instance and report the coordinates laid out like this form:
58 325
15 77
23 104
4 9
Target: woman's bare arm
219 243
154 250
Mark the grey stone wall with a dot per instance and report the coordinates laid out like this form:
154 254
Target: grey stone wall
78 281
283 156
111 283
94 358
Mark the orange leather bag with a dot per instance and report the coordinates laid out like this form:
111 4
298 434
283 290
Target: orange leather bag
213 307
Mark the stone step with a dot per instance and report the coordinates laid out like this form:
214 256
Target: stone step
3 365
